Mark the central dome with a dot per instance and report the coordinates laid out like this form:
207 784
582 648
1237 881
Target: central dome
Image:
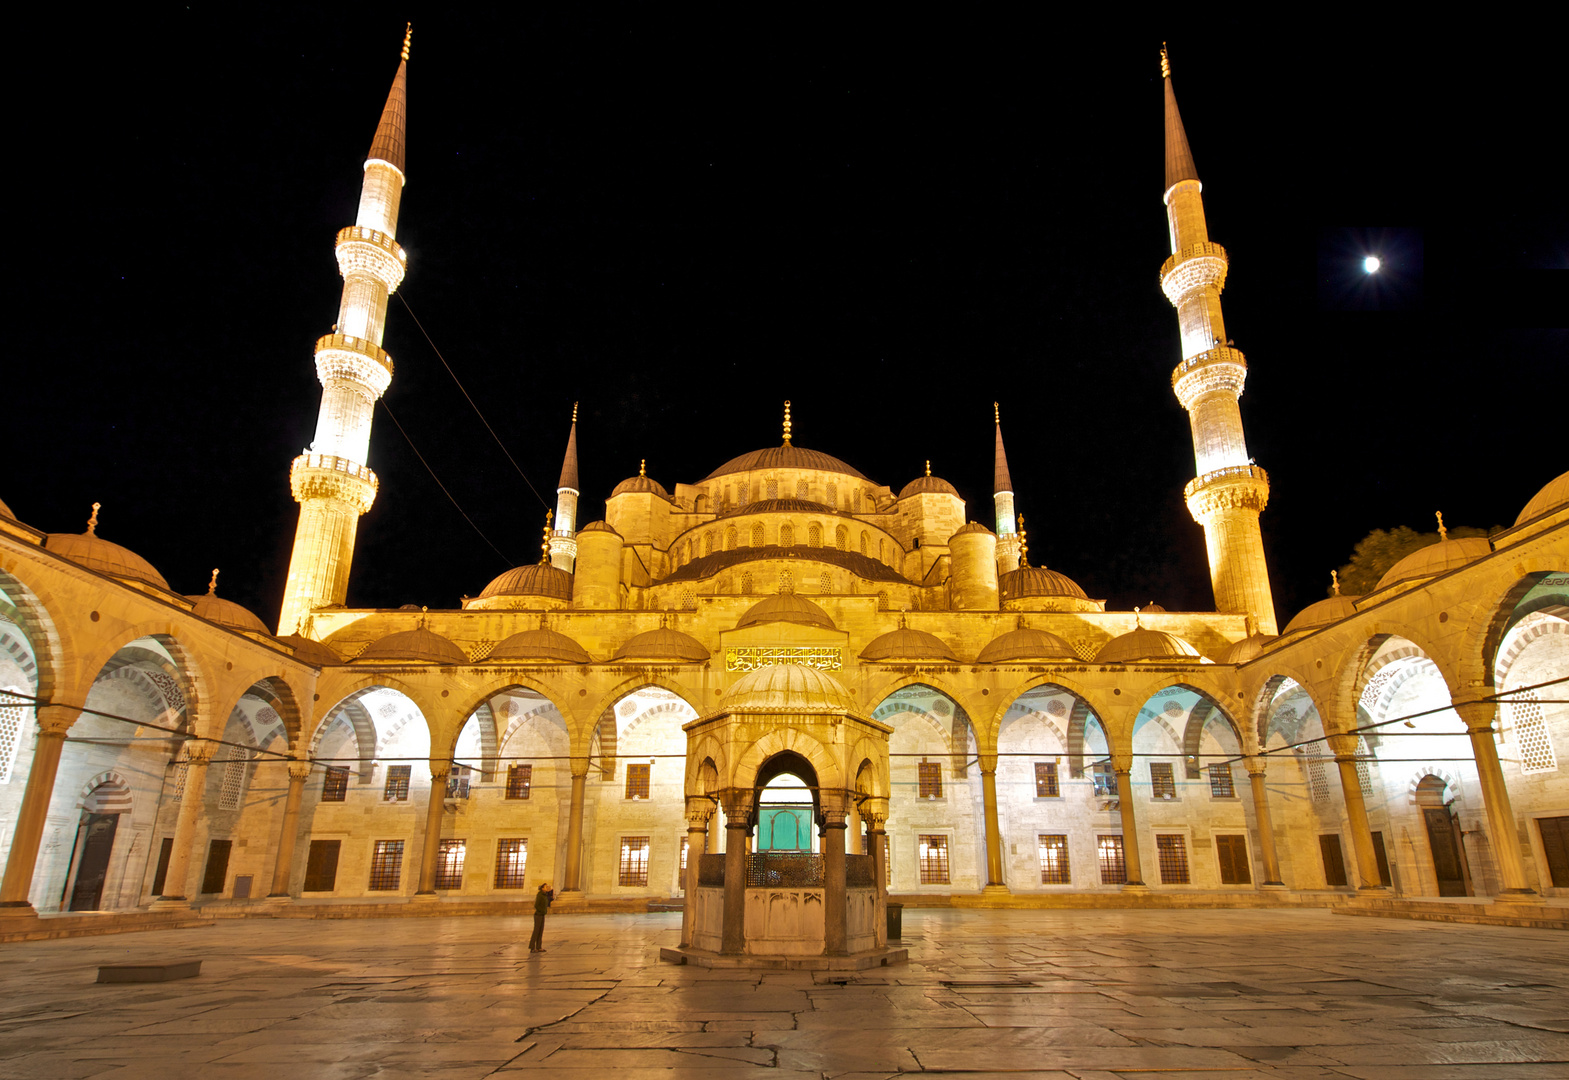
789 688
787 456
786 607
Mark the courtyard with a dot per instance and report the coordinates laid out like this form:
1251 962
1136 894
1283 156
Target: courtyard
1092 995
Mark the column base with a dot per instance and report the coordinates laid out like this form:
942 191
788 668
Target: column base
572 894
1517 896
278 899
170 903
426 897
996 890
1135 887
1375 892
1273 886
13 911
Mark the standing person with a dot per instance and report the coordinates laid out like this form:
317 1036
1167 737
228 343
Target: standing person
542 901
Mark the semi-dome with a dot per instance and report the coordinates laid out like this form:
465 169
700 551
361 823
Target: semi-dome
314 653
1038 581
1143 644
1550 498
1437 559
94 552
786 607
537 579
789 688
418 646
787 456
1026 643
215 609
928 485
1249 648
663 644
1331 609
908 644
540 646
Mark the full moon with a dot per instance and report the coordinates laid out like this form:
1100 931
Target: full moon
1370 264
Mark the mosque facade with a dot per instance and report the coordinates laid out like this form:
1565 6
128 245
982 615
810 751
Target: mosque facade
160 751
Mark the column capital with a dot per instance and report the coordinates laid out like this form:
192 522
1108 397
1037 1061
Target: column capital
198 753
1255 766
1478 715
580 768
55 719
874 811
440 770
299 770
835 819
698 812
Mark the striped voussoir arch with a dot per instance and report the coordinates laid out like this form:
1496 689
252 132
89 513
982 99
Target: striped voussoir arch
106 793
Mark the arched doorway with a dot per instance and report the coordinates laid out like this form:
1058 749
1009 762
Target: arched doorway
1443 838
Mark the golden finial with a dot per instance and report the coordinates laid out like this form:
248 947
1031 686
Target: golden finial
212 586
544 544
1249 624
787 424
1165 62
574 412
423 611
1334 581
996 413
1443 533
1024 545
408 35
642 467
92 522
928 466
903 622
1138 620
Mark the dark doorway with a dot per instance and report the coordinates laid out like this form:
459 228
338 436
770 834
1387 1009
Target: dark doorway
1443 837
1334 862
1382 857
217 866
1232 852
321 866
1555 845
93 870
164 851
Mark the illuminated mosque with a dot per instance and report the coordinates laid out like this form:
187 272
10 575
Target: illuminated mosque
783 686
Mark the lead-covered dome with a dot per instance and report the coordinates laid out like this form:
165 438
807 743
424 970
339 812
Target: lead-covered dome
786 607
94 552
663 644
1144 644
1249 648
540 646
1550 498
1331 609
538 579
787 456
1029 581
215 609
928 485
789 688
417 646
1024 644
1436 559
908 644
314 653
640 484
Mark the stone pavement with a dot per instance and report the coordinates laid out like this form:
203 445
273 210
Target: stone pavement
1093 995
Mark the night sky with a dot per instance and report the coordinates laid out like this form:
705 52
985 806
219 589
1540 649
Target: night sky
681 224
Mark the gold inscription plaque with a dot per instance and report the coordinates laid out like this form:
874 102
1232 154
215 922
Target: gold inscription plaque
752 657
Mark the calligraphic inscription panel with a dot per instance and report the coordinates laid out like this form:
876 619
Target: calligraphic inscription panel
752 657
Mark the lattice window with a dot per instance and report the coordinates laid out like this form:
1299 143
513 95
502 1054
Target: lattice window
1113 870
730 538
773 489
757 535
182 768
637 781
688 601
1171 854
449 864
932 853
833 495
929 774
1046 780
686 842
1536 745
335 784
887 861
12 717
397 788
234 769
511 861
802 489
1220 785
825 583
1053 851
708 544
746 583
520 781
1105 780
634 861
1163 783
1318 782
814 535
841 538
1364 775
386 865
866 543
787 581
786 535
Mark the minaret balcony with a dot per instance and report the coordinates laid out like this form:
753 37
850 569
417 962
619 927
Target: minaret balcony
1197 266
367 253
1220 368
357 359
1229 488
326 476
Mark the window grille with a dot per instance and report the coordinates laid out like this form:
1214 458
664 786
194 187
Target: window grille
182 767
1530 728
10 738
449 864
757 535
335 784
1105 780
730 538
321 866
1163 785
802 489
1053 850
932 853
787 581
1364 777
833 495
386 865
520 781
773 489
1220 786
814 536
1171 853
1232 853
1113 870
746 583
458 782
511 861
825 583
708 544
1317 781
887 861
397 788
786 536
686 842
637 781
688 601
929 774
866 543
234 768
841 538
1046 780
634 861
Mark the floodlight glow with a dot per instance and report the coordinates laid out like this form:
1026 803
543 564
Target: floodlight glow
1370 264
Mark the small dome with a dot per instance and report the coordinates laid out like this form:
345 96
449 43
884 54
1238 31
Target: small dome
1436 559
98 554
215 609
598 526
1038 581
1248 648
1331 609
786 607
1153 609
907 644
787 456
1142 644
636 484
418 646
1551 497
537 579
789 688
1026 644
928 485
541 646
314 653
663 644
971 527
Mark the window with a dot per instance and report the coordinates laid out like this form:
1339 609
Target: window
930 774
634 861
1555 846
841 538
1105 780
1163 785
1334 864
321 866
335 784
458 782
773 489
887 861
685 843
814 536
866 543
1220 786
757 535
730 538
386 865
825 583
637 781
932 853
1046 780
1171 854
803 490
217 866
833 495
1053 851
1113 871
449 864
397 788
520 779
511 859
746 583
1232 851
164 852
236 762
786 536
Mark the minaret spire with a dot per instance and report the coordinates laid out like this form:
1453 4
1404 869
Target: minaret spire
1002 500
331 480
1229 492
563 541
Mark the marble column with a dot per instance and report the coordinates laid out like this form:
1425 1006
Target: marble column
571 881
1266 829
1345 748
698 811
53 722
835 899
1478 719
298 771
1130 830
737 827
197 755
875 813
994 881
433 811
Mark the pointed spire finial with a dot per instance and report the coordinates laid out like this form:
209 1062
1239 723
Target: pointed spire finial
1443 533
1024 546
212 586
92 522
787 424
423 612
1165 62
544 544
996 413
903 622
928 466
574 412
1334 581
408 36
642 467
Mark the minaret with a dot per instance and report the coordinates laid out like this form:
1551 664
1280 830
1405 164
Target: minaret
1002 500
330 480
1229 491
563 541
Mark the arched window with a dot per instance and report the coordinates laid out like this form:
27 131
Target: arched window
882 551
757 535
833 495
842 538
746 583
857 500
786 581
866 543
773 489
814 536
786 536
802 489
825 583
730 538
708 544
